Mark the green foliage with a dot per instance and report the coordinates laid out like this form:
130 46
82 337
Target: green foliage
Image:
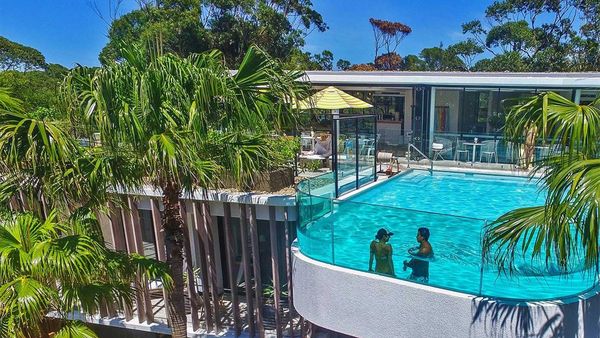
299 60
36 89
466 50
564 230
532 35
311 165
190 26
343 64
507 62
39 255
440 59
284 149
14 56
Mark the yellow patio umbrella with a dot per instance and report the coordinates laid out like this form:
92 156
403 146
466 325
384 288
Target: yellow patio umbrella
334 99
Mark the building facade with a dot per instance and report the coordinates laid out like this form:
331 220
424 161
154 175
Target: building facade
426 107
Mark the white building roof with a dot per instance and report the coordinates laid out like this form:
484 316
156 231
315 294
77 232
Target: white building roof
399 79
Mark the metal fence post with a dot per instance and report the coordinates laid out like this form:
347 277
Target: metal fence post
357 151
334 163
482 259
375 150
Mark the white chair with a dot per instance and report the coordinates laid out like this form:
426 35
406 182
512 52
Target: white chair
446 149
461 148
489 149
437 148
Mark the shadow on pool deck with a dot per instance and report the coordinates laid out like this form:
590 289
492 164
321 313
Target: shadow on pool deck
576 319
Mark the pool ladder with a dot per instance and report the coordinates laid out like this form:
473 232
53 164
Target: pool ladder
410 145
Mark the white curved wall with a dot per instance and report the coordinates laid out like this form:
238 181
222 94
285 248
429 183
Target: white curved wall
368 305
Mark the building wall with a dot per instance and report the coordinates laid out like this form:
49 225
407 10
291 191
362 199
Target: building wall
367 305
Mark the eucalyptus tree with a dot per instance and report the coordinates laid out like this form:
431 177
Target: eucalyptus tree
566 226
181 124
57 268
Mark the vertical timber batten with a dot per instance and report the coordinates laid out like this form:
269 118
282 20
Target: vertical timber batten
275 267
145 312
256 265
288 269
159 237
212 267
230 271
199 227
247 270
131 248
190 269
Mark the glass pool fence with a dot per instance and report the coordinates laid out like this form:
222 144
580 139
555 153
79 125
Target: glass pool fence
339 232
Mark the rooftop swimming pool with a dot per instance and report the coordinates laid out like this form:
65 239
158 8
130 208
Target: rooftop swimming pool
455 207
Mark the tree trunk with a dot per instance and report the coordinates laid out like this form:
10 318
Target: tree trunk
172 224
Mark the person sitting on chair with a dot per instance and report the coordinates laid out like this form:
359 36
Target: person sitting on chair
420 264
323 145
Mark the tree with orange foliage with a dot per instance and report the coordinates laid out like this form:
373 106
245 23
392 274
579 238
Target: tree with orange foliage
362 67
389 61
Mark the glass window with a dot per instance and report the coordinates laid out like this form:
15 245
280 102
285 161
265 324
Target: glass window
588 96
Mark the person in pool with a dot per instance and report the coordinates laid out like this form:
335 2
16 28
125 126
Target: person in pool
420 264
381 251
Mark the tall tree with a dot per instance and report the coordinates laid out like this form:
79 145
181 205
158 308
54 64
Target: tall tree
441 59
48 247
388 35
181 124
191 26
15 56
467 51
547 35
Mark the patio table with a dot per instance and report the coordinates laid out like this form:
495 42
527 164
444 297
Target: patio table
474 145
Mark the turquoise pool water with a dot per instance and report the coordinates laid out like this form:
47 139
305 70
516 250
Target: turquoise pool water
455 207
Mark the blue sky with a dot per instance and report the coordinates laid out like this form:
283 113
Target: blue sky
70 32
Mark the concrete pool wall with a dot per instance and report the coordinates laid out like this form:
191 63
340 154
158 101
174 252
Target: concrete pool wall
363 304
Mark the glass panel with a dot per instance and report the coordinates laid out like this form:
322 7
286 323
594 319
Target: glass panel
464 116
366 155
315 239
534 279
588 96
347 153
455 266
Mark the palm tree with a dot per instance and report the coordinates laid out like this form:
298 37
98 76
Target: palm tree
59 268
180 124
7 102
567 225
58 244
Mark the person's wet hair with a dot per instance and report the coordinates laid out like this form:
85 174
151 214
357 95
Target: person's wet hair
424 232
382 232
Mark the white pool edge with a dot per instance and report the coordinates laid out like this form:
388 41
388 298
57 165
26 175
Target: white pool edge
368 305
